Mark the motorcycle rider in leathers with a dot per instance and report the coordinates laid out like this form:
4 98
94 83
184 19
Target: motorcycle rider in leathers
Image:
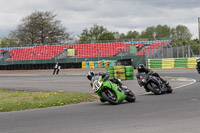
105 76
142 68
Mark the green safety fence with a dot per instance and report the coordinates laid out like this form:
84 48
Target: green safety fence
180 62
167 63
170 63
155 63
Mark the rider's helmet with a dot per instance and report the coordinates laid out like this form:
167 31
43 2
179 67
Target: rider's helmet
198 60
141 68
90 74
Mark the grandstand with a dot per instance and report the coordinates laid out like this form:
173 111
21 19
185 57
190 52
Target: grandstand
81 50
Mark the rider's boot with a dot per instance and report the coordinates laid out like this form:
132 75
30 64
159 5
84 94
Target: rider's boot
122 87
125 88
164 81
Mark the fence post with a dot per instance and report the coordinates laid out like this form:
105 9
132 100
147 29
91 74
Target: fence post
98 53
34 57
146 56
154 53
183 51
166 50
55 56
12 58
189 51
177 50
158 51
171 51
189 48
121 52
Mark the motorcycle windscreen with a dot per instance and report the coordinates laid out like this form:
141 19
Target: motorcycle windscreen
143 78
96 83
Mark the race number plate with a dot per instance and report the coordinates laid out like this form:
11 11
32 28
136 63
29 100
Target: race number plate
97 85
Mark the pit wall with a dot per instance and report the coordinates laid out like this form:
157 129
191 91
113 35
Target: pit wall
170 63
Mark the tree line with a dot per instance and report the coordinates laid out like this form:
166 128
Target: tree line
43 28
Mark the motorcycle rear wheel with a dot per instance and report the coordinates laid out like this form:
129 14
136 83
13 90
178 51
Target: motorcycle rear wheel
110 96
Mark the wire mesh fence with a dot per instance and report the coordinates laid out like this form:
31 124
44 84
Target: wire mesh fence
174 51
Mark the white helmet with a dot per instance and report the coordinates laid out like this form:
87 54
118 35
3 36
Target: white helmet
90 74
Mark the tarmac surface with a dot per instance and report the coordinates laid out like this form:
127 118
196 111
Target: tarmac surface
68 81
174 113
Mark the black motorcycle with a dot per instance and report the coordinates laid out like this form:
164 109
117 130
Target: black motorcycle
198 65
153 84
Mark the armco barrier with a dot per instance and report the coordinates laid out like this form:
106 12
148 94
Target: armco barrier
191 63
169 63
180 62
155 63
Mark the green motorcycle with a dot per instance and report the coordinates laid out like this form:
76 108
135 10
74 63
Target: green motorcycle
111 92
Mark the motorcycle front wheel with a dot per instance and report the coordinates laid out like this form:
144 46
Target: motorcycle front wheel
110 96
169 89
154 88
130 97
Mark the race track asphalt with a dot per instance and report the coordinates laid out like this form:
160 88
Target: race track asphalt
176 112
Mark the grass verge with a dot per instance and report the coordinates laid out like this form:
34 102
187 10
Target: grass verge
11 100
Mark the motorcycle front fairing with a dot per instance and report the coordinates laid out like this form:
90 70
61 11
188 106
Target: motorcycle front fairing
155 80
99 86
142 78
120 94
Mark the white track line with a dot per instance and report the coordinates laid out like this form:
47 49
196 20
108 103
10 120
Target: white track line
193 81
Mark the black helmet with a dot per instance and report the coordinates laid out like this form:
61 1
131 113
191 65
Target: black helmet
141 68
90 74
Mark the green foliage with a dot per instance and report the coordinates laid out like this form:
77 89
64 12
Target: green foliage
130 35
162 32
96 33
179 34
7 42
148 33
182 33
